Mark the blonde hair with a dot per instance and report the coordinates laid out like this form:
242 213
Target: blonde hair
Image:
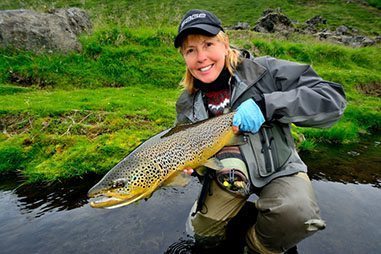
231 61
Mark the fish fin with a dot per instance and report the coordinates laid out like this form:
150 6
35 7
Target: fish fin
214 163
237 140
182 127
179 180
148 196
178 128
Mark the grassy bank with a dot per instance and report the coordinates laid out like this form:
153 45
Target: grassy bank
361 14
50 135
63 116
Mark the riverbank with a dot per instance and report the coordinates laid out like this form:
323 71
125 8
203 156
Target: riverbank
64 116
55 135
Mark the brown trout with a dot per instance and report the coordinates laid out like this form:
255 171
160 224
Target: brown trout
161 159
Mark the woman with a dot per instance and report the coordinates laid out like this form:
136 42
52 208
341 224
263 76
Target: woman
267 95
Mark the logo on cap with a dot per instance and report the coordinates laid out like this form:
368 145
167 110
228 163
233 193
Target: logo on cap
193 17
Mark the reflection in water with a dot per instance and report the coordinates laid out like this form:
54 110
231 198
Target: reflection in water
57 219
40 199
143 227
359 163
352 213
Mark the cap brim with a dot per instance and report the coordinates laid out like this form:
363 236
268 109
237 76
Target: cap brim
204 29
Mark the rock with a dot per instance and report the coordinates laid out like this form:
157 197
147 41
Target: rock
366 41
323 35
343 30
269 10
312 25
345 39
355 40
353 153
78 19
241 26
343 35
273 21
316 20
38 32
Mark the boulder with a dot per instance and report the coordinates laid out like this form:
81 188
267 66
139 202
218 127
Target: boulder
43 32
348 36
313 24
273 21
241 26
316 21
343 30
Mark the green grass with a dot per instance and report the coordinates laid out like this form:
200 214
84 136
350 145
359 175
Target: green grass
65 115
51 135
167 13
374 3
111 58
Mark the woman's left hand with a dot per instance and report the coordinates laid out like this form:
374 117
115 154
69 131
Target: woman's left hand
248 117
188 171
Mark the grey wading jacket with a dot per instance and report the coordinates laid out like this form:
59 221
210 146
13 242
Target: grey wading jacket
293 93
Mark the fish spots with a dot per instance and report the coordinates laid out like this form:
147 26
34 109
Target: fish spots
118 183
155 160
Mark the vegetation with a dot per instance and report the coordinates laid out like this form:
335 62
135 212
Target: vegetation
64 116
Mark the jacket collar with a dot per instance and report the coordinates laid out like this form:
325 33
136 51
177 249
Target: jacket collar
247 74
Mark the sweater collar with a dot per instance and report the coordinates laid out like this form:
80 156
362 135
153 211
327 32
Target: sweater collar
221 82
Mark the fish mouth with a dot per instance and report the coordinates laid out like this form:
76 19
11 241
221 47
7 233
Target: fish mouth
112 200
107 202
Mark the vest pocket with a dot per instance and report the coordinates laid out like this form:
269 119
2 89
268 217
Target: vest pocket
278 144
266 152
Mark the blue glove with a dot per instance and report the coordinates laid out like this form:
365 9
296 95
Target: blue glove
248 117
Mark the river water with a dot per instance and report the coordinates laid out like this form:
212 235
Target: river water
58 219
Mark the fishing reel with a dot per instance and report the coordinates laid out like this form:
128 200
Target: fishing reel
233 181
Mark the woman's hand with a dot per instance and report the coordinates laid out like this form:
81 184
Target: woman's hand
248 117
188 171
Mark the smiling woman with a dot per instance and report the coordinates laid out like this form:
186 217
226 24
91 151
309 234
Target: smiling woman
204 56
266 96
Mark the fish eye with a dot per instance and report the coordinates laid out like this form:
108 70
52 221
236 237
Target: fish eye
118 183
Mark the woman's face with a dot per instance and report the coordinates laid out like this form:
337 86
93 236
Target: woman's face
204 56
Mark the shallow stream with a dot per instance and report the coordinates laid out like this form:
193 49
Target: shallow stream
58 219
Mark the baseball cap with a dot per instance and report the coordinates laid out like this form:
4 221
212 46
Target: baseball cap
198 21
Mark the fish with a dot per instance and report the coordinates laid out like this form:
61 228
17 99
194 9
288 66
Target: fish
160 161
